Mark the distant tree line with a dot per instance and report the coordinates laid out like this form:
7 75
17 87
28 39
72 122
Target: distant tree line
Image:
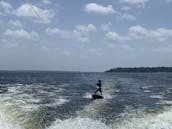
142 69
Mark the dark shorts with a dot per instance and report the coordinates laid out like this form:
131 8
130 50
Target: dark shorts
99 89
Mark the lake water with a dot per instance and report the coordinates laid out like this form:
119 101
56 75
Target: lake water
62 100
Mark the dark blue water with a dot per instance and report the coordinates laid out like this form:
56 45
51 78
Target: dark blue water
62 100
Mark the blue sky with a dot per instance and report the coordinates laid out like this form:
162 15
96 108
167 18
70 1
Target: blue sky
83 35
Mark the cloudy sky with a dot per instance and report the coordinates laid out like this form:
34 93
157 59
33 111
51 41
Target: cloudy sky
84 35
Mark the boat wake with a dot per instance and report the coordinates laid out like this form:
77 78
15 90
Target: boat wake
22 110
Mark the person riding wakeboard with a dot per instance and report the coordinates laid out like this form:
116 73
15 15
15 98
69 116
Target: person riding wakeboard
99 87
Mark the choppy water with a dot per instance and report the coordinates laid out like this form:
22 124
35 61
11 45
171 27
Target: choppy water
62 100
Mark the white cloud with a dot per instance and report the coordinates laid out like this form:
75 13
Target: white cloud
41 15
22 34
16 23
6 6
106 27
86 28
138 29
82 32
128 17
54 31
99 9
112 36
140 32
136 32
160 34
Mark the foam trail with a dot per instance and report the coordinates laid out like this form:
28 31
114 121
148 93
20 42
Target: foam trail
7 122
57 102
108 91
8 118
107 96
87 95
78 123
96 107
16 108
157 96
156 120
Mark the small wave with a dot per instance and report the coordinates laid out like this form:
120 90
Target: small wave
8 119
12 89
147 87
146 91
3 89
141 120
87 95
9 125
169 90
157 96
61 101
78 123
165 102
12 116
94 109
19 84
108 96
58 102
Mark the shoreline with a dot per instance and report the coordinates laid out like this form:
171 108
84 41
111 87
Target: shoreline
141 69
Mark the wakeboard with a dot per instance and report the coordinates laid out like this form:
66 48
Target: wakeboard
95 96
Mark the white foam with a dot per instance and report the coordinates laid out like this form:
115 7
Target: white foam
107 96
159 120
157 96
13 89
59 90
8 118
165 102
61 101
163 121
87 95
146 91
8 125
78 123
146 121
58 102
108 90
95 107
147 87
